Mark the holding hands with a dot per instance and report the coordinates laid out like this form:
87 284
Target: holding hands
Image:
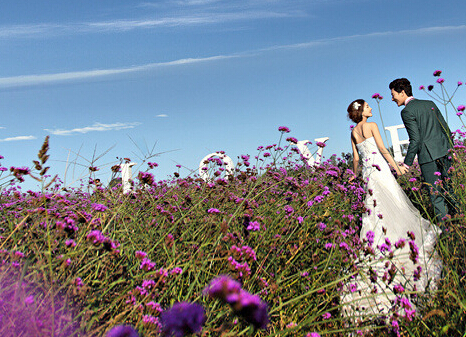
402 168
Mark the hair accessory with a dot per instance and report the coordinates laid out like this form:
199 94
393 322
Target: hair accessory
356 105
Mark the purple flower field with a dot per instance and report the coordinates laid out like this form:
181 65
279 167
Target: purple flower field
265 251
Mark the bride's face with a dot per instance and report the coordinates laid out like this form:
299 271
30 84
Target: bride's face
367 112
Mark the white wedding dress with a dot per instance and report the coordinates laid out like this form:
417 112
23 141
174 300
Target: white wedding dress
375 291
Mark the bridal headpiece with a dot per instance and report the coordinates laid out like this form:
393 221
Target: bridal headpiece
356 105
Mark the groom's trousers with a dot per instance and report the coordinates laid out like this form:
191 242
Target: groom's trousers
437 179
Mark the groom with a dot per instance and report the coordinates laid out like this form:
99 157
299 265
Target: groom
430 140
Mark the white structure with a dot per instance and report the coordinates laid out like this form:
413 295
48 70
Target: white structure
396 142
306 154
229 166
126 176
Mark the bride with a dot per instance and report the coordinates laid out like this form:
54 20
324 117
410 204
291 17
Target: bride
398 256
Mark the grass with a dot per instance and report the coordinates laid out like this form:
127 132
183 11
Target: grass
75 263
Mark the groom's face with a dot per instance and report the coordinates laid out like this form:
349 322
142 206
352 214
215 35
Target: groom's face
399 97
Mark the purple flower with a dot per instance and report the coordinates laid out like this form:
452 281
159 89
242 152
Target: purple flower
182 319
95 236
410 314
288 209
461 108
460 83
414 251
437 72
176 270
353 287
99 207
396 327
370 237
422 87
266 154
321 226
430 87
250 307
122 331
253 226
318 199
70 243
292 140
213 210
29 300
327 315
221 287
283 129
417 273
400 243
147 264
376 95
320 144
140 255
440 80
398 289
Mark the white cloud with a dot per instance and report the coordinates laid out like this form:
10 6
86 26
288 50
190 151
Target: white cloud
32 80
121 25
94 127
162 115
43 79
2 127
13 139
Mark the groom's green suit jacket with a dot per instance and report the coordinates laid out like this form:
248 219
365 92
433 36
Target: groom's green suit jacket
429 135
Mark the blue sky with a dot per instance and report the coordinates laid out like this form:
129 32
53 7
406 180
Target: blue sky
196 76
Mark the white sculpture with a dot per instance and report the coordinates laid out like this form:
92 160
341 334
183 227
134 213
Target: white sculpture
306 154
229 166
126 175
396 142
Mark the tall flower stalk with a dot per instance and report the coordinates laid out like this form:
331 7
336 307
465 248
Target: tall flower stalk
378 98
444 98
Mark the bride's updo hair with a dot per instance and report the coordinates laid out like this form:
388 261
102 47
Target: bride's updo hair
355 110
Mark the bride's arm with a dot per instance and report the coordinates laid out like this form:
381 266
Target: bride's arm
355 156
378 140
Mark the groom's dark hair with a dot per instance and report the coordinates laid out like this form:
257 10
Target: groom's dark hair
401 84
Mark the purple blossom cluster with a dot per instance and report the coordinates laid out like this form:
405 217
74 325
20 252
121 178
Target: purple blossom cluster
97 238
248 306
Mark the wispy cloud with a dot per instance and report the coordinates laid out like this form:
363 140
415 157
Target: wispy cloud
32 80
94 127
186 18
88 75
162 116
13 139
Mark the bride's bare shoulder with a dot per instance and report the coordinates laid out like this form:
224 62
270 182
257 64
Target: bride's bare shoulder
373 125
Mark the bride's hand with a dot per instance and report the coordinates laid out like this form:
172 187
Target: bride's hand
402 170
